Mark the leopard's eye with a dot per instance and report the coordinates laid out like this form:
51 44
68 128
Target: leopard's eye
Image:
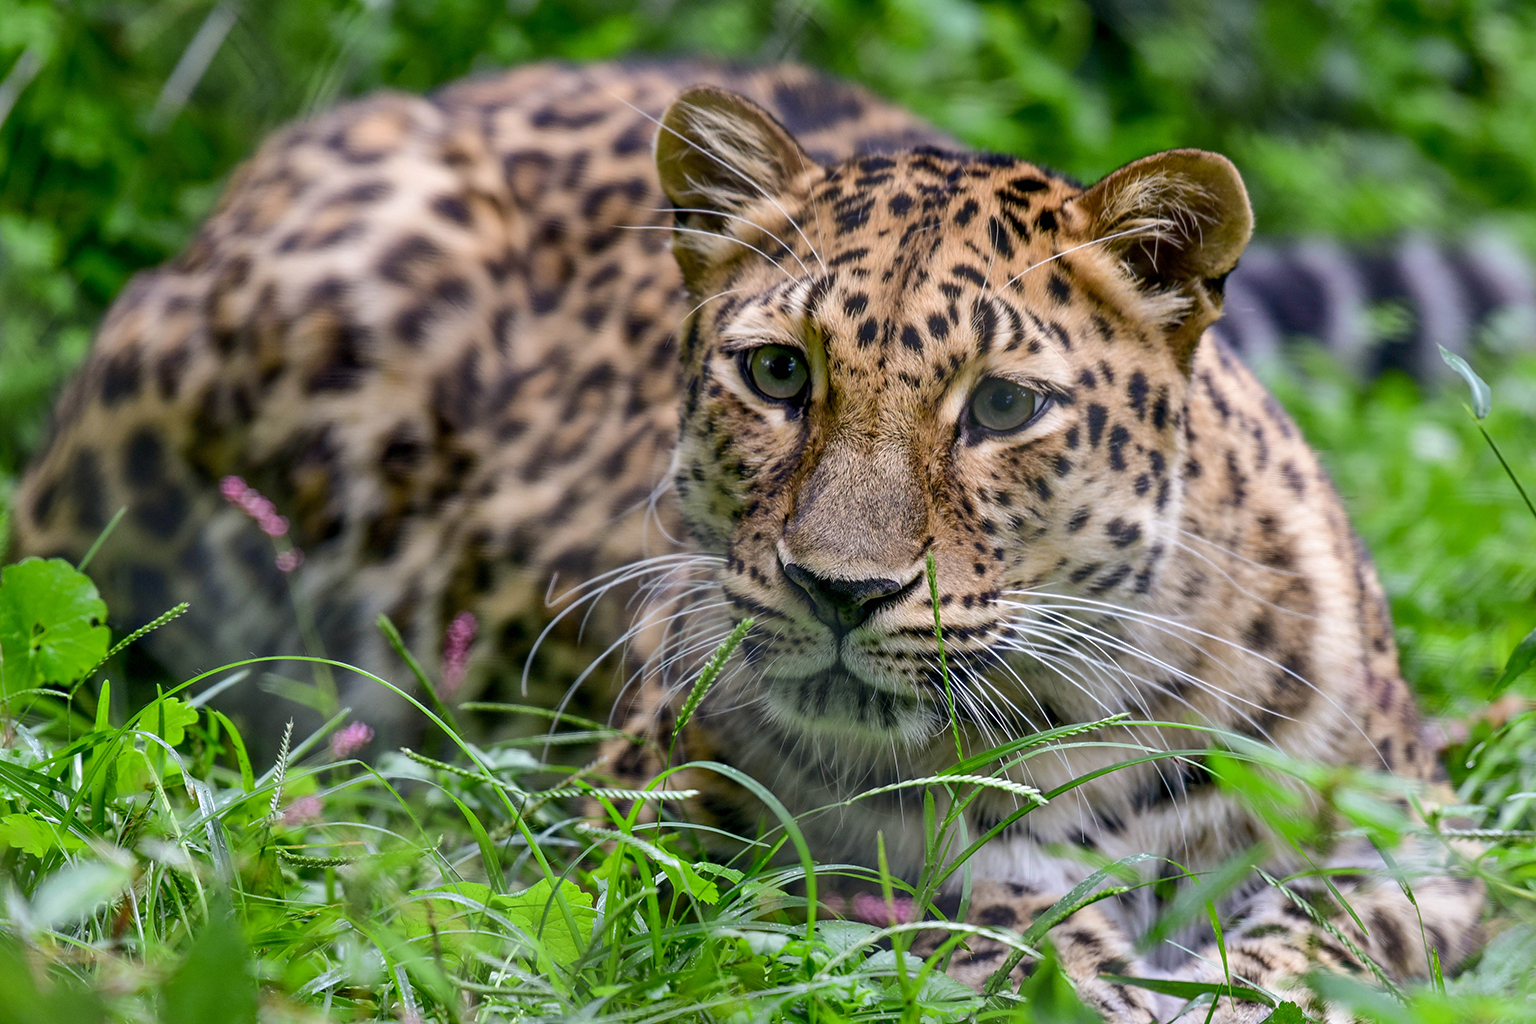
779 373
1001 405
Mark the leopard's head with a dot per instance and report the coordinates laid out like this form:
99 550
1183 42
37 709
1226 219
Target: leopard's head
926 353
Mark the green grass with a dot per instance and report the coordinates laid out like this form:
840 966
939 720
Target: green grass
1453 541
153 873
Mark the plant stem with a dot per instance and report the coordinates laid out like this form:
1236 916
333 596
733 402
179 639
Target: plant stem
707 679
938 632
1508 471
392 634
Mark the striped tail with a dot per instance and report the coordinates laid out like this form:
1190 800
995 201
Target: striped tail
1382 308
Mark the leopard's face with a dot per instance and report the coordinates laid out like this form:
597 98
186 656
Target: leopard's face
932 355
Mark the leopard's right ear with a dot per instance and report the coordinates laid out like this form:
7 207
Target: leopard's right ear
1178 221
720 155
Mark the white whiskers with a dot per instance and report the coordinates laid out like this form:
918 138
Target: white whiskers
712 234
1187 635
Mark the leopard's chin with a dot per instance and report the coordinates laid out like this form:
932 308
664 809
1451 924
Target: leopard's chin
838 704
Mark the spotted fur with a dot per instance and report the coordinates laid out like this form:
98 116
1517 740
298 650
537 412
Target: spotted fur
445 336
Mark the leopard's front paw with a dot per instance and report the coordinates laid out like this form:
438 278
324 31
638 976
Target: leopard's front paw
1087 945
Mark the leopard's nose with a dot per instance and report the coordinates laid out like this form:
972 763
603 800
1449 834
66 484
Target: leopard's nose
842 604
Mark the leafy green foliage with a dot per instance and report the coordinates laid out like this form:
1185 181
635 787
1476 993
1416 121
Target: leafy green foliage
536 912
1050 996
1451 536
149 861
368 911
34 834
51 625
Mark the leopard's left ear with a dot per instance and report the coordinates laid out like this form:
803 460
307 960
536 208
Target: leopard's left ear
719 155
1179 220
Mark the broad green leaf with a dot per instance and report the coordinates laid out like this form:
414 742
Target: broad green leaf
134 774
536 912
214 984
50 624
1051 996
1519 663
841 936
1482 394
937 986
33 835
448 917
1286 1013
178 715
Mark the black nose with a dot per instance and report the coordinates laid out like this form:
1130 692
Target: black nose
841 604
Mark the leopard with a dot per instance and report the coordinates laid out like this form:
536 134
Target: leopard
614 358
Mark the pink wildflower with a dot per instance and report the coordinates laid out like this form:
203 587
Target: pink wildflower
261 510
350 740
302 811
254 504
871 909
456 644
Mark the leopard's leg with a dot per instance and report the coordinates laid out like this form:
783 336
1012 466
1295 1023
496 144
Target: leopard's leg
1087 945
1278 936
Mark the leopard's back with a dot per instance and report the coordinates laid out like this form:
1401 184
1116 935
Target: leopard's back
438 333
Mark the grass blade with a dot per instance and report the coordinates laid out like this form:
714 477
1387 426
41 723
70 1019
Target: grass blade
938 633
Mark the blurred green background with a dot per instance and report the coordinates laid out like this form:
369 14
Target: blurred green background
120 121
